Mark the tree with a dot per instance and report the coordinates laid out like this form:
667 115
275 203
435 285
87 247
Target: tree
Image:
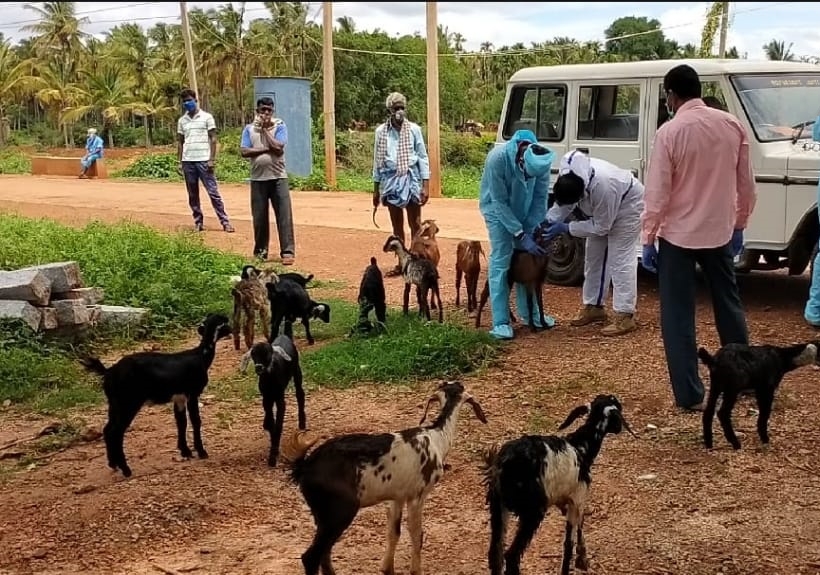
777 50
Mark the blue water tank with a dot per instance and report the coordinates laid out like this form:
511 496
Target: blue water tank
291 97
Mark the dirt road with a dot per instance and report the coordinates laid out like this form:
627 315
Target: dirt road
659 505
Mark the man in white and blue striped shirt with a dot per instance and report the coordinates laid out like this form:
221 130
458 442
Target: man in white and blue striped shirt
196 151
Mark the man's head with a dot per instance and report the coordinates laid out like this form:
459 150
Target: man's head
188 98
574 173
397 108
680 84
92 132
264 107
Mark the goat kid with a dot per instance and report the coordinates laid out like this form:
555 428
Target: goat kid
424 245
468 264
528 475
419 272
275 365
372 297
249 300
155 378
738 367
289 301
350 472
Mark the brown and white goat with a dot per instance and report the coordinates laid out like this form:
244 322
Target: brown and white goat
468 264
424 245
250 298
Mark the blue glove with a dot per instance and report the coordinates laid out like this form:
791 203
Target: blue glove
737 242
528 244
554 230
649 258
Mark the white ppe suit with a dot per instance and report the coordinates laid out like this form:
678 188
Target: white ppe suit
613 202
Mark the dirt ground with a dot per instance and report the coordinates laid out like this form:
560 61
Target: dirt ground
659 505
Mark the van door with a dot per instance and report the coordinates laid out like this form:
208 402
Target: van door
609 122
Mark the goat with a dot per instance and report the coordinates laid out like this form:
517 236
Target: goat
289 300
424 245
354 471
371 297
275 365
468 264
738 367
155 377
529 474
419 272
249 299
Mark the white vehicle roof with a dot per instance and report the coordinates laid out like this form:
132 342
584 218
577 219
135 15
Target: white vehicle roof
655 68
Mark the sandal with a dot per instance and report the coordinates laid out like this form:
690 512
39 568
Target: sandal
396 271
288 260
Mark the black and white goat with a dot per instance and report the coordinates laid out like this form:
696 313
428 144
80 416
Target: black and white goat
528 475
155 377
349 472
738 367
419 272
275 365
372 297
289 301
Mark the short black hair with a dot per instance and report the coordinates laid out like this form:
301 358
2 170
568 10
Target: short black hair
568 189
264 101
187 93
683 81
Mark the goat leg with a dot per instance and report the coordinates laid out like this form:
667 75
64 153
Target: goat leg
182 425
539 294
709 414
765 398
300 397
725 417
530 311
248 326
414 526
196 424
567 557
406 299
276 432
458 288
237 318
581 560
393 533
308 335
267 409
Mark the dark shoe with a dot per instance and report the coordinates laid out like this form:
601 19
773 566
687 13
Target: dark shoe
228 228
695 408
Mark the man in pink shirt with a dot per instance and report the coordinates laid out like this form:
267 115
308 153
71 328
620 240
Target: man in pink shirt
699 195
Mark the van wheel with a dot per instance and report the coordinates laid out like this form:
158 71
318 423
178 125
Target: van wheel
566 265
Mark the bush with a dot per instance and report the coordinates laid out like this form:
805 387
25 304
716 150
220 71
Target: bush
14 162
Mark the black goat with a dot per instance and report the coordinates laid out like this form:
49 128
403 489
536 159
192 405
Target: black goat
529 474
156 378
371 298
289 300
275 365
738 367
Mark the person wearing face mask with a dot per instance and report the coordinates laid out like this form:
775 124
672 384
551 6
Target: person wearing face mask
196 152
93 151
612 199
513 202
401 169
700 193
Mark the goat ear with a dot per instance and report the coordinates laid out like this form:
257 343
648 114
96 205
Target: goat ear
430 400
244 362
579 411
280 351
479 413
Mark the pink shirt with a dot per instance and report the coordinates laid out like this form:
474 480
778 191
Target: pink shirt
700 183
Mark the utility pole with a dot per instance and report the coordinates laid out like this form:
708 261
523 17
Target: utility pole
724 28
433 120
329 93
189 50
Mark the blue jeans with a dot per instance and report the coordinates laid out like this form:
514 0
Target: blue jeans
194 172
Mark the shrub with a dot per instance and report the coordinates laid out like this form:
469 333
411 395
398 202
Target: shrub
14 162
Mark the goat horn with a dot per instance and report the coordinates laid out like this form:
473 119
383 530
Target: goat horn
430 400
626 426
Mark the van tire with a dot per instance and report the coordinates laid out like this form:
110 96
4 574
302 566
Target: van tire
566 265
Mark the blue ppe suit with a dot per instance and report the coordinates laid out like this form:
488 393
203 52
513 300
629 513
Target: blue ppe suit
512 202
812 311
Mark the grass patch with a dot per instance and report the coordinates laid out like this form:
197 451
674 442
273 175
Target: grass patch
14 162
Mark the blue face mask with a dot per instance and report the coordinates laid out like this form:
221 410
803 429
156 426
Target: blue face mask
189 105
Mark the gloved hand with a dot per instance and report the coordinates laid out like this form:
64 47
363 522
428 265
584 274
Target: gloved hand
649 258
528 244
737 242
554 230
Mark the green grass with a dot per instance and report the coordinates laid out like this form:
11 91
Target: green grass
14 162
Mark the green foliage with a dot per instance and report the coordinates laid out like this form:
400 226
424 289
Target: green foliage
14 162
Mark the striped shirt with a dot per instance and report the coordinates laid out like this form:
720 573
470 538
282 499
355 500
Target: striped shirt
196 147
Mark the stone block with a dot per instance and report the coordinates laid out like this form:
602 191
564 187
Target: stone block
48 318
88 295
94 314
18 309
70 312
28 284
64 276
121 315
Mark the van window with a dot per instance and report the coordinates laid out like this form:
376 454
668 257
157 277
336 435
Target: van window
711 93
609 112
540 109
778 105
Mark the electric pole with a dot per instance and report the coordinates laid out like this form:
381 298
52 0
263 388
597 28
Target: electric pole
189 50
329 93
433 120
724 28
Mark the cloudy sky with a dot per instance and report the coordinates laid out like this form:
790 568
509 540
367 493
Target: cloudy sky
752 23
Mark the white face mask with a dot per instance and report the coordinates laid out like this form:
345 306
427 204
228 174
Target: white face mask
398 115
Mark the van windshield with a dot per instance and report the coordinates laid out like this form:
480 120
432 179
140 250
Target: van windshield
778 104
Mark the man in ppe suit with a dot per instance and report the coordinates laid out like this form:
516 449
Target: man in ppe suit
513 202
812 311
612 199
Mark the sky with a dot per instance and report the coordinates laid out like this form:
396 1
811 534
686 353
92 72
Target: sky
752 24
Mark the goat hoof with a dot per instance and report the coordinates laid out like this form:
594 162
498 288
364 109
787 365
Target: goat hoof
311 341
735 446
186 453
202 453
582 563
387 571
126 471
272 460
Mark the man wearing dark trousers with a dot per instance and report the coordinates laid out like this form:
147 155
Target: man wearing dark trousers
263 142
700 193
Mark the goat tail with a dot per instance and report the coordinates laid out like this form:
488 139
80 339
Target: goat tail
93 365
707 358
294 453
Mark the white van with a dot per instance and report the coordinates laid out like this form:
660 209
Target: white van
613 110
